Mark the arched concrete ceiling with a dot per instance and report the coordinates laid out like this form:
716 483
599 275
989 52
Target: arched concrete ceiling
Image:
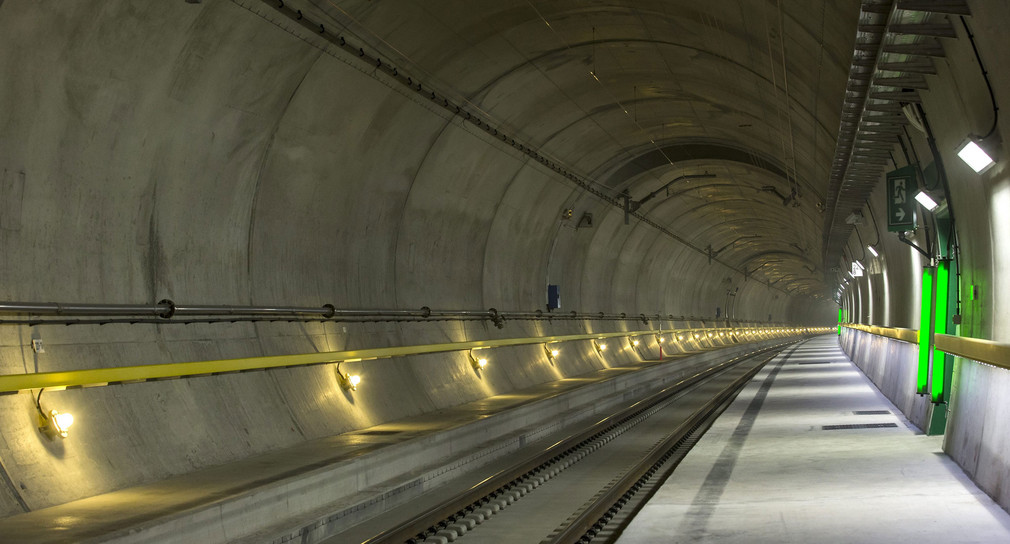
634 94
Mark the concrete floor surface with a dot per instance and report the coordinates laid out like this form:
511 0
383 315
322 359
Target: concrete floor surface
767 470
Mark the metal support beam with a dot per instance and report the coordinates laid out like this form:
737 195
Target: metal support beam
951 7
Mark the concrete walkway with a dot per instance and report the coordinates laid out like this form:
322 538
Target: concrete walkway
771 469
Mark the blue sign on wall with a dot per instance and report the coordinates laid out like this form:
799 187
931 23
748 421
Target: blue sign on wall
553 297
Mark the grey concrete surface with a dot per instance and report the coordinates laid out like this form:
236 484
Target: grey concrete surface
767 472
321 487
958 106
974 438
891 366
201 152
218 153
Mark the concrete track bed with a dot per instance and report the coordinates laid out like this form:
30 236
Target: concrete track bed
324 486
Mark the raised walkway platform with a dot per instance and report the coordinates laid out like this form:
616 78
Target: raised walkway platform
810 451
319 488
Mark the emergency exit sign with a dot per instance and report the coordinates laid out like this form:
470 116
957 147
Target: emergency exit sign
901 189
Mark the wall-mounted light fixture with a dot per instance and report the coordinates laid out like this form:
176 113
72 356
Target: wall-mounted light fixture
635 343
922 197
660 338
478 363
975 157
680 337
348 382
54 422
600 346
551 353
872 251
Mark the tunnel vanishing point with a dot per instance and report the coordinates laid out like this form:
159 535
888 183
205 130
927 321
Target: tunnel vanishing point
236 228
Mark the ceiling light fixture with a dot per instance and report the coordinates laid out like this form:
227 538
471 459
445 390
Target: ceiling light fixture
872 251
975 157
927 202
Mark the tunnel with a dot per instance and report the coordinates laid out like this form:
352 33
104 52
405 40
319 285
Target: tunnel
276 269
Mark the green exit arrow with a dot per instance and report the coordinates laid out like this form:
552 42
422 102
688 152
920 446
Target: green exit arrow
901 186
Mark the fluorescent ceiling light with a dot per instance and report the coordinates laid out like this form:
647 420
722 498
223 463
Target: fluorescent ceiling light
926 201
873 251
973 155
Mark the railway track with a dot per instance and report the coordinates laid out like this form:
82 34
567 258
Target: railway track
586 486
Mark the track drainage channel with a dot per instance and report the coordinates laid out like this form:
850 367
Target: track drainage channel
858 426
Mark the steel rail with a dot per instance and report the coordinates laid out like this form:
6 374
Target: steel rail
416 528
12 383
592 519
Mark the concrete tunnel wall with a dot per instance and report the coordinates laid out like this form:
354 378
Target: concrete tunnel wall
957 105
200 153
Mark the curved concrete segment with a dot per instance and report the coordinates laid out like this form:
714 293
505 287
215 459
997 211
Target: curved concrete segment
231 153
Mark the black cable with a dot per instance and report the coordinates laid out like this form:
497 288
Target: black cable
988 84
917 164
862 247
904 149
941 174
929 241
876 228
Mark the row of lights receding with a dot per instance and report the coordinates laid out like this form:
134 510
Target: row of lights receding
350 382
973 155
55 423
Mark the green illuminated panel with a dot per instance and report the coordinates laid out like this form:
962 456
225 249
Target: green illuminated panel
840 321
926 306
939 358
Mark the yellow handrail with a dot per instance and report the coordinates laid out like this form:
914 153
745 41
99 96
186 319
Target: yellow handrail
103 376
905 335
976 349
